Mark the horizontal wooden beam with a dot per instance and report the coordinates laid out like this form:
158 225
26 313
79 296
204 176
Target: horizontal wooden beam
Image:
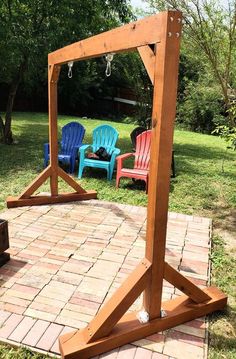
129 329
128 37
38 200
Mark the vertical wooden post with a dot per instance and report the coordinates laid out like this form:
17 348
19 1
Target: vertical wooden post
53 74
164 102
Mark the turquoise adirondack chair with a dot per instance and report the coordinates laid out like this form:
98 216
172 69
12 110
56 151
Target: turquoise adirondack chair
103 136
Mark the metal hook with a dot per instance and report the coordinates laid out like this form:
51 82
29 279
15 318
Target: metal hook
109 58
70 65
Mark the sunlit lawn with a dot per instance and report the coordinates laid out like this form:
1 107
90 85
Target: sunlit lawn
205 185
200 184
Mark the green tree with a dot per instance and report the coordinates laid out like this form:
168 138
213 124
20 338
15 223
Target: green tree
31 29
210 34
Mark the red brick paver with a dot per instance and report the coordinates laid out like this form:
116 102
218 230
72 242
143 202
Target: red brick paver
22 329
35 333
67 259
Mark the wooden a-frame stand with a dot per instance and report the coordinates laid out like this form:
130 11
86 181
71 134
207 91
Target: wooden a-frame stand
157 39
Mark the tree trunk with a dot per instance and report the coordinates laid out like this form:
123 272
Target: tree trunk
6 128
1 129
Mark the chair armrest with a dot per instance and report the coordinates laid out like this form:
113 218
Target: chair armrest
82 150
84 147
121 158
124 156
115 153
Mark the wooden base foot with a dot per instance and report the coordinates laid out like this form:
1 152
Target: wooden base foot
37 200
4 258
129 329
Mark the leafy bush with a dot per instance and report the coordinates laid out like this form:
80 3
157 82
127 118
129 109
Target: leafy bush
228 131
201 108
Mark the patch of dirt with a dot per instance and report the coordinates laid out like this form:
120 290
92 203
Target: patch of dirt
224 224
229 238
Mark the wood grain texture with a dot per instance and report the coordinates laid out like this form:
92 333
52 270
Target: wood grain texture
119 303
185 285
148 58
53 74
129 329
128 37
71 182
61 198
37 182
164 107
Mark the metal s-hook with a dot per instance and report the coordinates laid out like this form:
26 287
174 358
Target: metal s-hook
108 58
70 65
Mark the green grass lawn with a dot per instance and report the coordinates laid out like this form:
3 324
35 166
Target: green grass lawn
205 185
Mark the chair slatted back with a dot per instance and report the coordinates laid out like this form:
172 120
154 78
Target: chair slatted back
134 134
72 135
104 136
142 152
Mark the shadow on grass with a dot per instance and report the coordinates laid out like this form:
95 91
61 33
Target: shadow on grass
227 323
225 218
189 160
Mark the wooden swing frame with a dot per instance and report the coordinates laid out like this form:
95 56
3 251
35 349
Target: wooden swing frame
157 39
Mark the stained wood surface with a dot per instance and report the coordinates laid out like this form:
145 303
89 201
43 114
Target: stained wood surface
62 197
129 329
148 57
184 285
128 37
163 115
33 186
162 30
119 303
71 182
53 74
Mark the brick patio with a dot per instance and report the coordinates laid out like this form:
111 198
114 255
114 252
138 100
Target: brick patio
66 260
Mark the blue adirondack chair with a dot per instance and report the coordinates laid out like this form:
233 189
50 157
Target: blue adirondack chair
72 137
103 136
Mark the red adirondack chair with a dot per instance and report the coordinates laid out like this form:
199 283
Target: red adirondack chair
141 161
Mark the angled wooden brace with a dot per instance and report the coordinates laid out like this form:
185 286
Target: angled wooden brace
185 285
53 171
112 326
148 57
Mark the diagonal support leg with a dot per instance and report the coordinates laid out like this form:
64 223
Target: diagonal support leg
119 303
26 198
129 329
33 186
52 171
185 285
68 179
